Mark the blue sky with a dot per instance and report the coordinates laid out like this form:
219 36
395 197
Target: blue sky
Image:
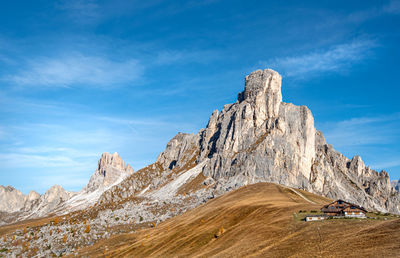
78 78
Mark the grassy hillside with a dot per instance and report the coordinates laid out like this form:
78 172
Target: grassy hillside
258 220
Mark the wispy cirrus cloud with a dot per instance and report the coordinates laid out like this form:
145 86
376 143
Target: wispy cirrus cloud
387 164
337 58
362 131
393 7
76 69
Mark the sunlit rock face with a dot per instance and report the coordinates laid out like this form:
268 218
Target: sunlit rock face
259 138
110 169
11 199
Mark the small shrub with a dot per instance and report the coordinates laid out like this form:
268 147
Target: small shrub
116 218
140 218
3 250
313 211
220 232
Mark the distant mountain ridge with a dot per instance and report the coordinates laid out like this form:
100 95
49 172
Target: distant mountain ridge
12 200
111 169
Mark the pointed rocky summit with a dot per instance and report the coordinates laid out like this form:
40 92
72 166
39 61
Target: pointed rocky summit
262 139
110 169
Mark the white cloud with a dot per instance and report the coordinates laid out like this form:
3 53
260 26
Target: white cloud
15 160
362 131
335 59
387 164
77 70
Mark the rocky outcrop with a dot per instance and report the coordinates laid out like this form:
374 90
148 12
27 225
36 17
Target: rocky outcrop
48 202
110 169
13 200
259 138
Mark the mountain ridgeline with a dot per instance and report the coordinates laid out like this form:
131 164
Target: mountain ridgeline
259 138
14 205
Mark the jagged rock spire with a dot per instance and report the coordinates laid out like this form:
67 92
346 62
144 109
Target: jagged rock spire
263 89
260 138
110 169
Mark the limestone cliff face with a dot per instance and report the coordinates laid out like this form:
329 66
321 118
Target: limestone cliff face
11 199
110 169
48 202
262 139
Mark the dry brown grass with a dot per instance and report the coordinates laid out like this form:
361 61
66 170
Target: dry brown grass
32 223
193 185
258 221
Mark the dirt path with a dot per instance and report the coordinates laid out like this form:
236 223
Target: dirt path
299 194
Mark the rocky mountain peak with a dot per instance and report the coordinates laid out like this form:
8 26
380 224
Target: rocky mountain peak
263 89
110 169
11 199
262 139
33 196
113 160
9 188
54 193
